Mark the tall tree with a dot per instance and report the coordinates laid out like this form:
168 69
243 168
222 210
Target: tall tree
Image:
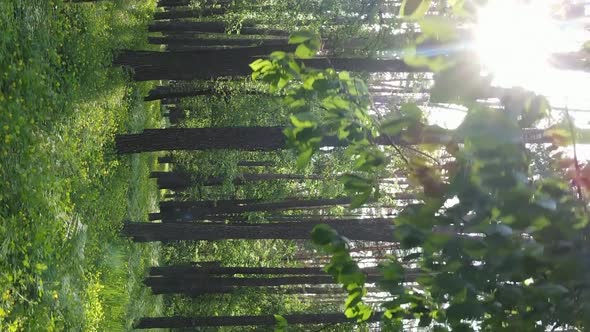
181 180
207 64
212 27
268 320
191 270
194 210
183 283
168 92
189 13
272 138
182 231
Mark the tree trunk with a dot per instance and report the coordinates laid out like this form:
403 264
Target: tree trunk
268 320
195 210
168 159
180 231
247 177
272 138
191 65
181 181
176 114
240 138
234 138
177 181
164 92
181 3
188 284
290 290
212 27
176 14
208 42
191 270
173 3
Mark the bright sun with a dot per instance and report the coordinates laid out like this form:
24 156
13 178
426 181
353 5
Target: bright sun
514 41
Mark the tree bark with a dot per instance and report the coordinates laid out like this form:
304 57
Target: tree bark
181 181
177 181
181 3
208 42
203 64
212 27
173 3
268 320
191 270
272 138
164 92
176 14
179 231
290 290
168 159
188 284
194 210
240 138
234 138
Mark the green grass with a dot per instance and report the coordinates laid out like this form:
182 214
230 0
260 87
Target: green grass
63 191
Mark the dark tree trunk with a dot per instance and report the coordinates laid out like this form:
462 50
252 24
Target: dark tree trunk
176 14
269 320
244 178
208 42
151 65
195 210
179 231
240 138
265 139
168 159
176 181
234 138
188 284
176 114
297 290
212 27
173 3
191 270
164 92
181 3
181 181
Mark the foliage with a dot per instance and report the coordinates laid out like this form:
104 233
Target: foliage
336 100
492 248
62 187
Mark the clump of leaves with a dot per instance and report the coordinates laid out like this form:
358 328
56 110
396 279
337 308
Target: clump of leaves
326 108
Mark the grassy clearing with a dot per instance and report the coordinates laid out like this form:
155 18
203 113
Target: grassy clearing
63 191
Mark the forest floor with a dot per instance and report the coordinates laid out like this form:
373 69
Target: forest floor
63 191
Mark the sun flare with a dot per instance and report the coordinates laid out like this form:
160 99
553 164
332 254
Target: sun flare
515 41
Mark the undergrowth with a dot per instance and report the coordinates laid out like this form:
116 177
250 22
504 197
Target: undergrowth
63 191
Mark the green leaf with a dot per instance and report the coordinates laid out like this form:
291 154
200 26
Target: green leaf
299 37
281 323
304 157
356 182
303 120
360 199
438 28
344 75
322 234
303 51
414 9
393 127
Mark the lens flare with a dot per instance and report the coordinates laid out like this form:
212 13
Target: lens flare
515 40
